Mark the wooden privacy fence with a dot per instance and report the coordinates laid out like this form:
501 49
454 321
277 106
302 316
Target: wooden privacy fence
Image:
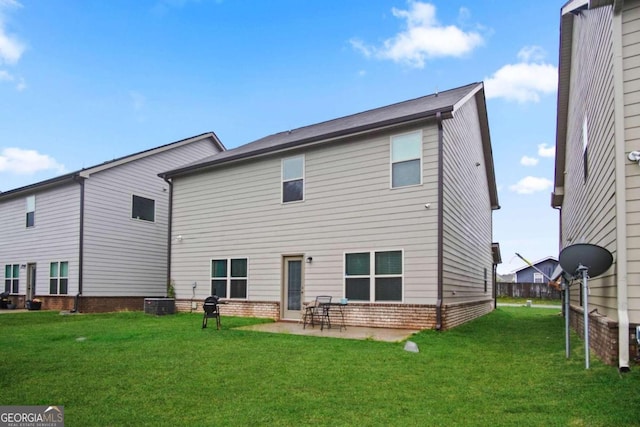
527 290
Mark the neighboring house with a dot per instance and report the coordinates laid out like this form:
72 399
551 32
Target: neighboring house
390 208
99 233
506 278
597 186
543 267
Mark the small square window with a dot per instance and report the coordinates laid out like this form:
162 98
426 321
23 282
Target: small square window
143 208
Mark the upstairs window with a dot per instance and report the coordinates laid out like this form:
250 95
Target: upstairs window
31 211
229 278
293 179
143 209
12 278
406 159
58 277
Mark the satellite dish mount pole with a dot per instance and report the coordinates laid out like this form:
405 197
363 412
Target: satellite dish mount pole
567 320
585 298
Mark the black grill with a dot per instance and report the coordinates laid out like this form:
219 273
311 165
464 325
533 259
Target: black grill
210 307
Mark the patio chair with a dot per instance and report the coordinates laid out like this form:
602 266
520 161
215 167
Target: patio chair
210 307
318 310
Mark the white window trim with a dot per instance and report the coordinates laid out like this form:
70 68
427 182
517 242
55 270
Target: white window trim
60 276
155 209
391 162
228 278
303 177
12 279
538 276
372 276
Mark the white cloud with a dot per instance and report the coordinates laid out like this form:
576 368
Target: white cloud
25 162
11 48
544 151
531 54
530 185
423 38
6 76
525 81
528 161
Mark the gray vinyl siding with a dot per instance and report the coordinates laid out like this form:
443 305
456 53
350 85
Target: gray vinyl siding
55 236
125 256
235 211
631 86
467 224
588 210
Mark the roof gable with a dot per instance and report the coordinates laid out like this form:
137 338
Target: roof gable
421 108
86 172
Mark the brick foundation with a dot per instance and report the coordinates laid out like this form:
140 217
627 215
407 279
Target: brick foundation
86 304
399 316
603 334
456 314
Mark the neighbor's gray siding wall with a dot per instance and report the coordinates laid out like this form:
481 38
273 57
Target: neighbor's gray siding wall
467 257
55 236
125 256
588 210
236 211
631 87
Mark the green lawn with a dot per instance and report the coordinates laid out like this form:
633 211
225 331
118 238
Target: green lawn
125 369
534 301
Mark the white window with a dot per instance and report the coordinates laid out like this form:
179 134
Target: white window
293 179
538 278
58 278
31 211
229 278
373 276
12 278
143 208
406 159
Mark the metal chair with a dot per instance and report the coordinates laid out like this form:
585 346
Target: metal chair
319 309
210 307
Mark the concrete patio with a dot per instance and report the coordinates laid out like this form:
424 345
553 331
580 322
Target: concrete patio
350 332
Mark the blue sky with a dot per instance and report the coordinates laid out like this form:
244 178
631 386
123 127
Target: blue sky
85 81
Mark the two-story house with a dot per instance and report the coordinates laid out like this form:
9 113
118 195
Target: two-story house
597 175
94 239
390 208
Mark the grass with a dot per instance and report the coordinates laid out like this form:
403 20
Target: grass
534 301
506 368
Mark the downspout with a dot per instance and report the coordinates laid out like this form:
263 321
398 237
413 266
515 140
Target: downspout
80 180
440 222
169 229
620 189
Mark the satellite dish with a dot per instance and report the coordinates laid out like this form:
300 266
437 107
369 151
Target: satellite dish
585 260
595 259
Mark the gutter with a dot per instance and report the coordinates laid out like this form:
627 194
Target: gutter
620 195
80 180
440 248
169 228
